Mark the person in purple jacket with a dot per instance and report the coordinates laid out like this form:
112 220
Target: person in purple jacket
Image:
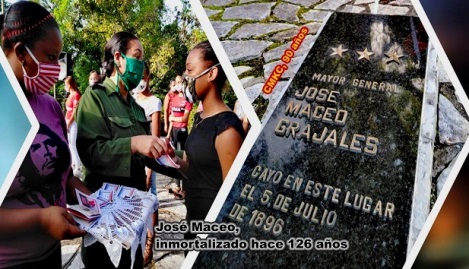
33 218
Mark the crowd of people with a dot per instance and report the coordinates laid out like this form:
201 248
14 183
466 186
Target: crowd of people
113 130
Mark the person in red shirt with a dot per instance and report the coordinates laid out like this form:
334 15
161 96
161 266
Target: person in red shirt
71 105
167 103
180 109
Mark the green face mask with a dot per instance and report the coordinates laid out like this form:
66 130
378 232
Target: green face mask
133 72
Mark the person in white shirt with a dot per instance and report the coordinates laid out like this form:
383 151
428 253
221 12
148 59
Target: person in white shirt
152 106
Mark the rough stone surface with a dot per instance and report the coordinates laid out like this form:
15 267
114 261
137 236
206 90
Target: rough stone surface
453 128
292 67
273 98
448 90
285 144
442 74
256 11
287 12
315 15
254 91
312 12
223 27
172 259
250 81
253 30
401 2
276 53
332 4
244 50
393 7
441 181
217 3
305 3
420 204
443 156
285 35
211 12
69 251
239 70
313 27
77 263
361 2
390 10
353 9
305 46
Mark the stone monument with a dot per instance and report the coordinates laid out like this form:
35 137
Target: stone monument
332 173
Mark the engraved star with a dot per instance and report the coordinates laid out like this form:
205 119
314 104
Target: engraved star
338 51
393 57
365 54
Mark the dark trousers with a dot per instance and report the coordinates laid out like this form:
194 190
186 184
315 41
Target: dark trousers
179 137
53 261
96 256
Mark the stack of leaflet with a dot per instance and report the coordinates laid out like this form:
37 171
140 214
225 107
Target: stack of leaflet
116 216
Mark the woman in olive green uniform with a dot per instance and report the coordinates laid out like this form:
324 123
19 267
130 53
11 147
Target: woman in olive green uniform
112 140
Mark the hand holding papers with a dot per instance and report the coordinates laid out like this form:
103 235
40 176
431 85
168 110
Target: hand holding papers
123 220
87 208
167 161
114 213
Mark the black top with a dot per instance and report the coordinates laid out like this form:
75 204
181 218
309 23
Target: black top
205 175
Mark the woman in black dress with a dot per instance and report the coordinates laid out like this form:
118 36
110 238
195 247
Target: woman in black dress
216 135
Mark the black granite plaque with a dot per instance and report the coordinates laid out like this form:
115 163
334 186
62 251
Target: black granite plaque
336 160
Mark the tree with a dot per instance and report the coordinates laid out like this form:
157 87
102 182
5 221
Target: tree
166 35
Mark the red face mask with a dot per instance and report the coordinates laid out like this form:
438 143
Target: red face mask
47 75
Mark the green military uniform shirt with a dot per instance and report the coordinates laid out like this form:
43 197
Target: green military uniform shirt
106 122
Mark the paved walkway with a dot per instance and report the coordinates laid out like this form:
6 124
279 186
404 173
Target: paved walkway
169 210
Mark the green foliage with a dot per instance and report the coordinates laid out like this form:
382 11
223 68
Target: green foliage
229 97
260 106
166 35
